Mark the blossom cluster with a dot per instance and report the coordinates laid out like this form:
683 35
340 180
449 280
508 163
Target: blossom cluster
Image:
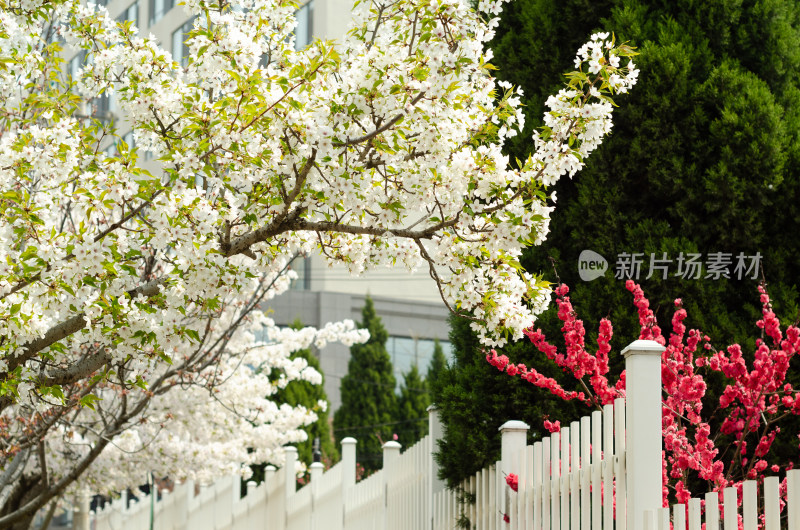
720 451
123 283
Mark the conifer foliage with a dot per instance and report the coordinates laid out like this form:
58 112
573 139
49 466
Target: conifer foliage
412 410
437 365
704 160
474 400
369 403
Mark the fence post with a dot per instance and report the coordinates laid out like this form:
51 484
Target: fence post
348 472
315 472
348 463
642 429
513 439
289 471
80 516
391 452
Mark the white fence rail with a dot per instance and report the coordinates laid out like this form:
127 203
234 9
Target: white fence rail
600 473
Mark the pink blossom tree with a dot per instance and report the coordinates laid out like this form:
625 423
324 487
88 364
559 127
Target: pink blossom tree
698 444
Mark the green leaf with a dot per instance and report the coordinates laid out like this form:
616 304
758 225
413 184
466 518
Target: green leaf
89 400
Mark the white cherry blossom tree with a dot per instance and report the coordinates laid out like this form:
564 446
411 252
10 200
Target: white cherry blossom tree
129 298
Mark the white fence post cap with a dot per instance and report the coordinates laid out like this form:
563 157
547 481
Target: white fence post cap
348 440
391 444
514 425
431 407
317 465
643 347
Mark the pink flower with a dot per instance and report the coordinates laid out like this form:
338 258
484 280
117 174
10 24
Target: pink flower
552 426
513 481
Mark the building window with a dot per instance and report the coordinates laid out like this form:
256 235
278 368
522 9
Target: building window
159 8
304 31
130 14
180 49
97 107
302 266
100 107
408 351
75 65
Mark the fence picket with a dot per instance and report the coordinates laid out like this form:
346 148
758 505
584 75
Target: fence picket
771 504
537 486
650 520
574 473
608 467
512 512
663 519
621 492
484 499
730 509
479 500
529 493
555 483
679 517
493 515
597 476
473 512
546 465
519 505
564 479
585 474
749 503
694 514
712 511
793 498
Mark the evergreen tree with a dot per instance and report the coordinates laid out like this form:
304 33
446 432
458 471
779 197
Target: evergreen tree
412 417
437 365
369 403
474 400
704 160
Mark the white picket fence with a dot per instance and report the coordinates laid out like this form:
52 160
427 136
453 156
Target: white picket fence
395 497
563 479
766 514
601 473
